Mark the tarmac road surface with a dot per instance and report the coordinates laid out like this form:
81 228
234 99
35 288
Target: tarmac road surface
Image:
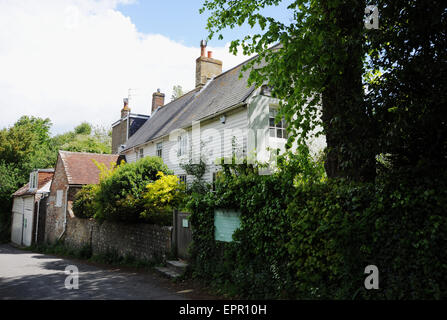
33 276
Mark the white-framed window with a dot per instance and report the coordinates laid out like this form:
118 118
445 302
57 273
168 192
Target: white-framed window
182 178
182 144
277 130
160 149
59 195
33 178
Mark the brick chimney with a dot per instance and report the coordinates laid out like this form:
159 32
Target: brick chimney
158 100
125 110
206 66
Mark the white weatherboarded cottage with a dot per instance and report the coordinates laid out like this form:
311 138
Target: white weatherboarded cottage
221 117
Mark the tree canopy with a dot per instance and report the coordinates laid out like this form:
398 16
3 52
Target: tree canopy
372 91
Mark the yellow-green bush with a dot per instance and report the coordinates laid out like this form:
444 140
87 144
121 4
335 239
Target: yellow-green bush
144 191
161 197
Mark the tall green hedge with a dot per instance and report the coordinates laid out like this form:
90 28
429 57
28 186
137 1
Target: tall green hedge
312 238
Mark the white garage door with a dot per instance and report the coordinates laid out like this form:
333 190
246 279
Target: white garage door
28 221
17 221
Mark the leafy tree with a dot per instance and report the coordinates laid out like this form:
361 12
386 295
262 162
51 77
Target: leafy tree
325 56
84 128
10 178
177 92
84 138
26 142
408 96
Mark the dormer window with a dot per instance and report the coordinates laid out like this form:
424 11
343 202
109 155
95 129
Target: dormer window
33 179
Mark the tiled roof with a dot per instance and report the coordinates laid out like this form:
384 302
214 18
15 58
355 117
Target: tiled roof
44 176
81 168
22 191
220 93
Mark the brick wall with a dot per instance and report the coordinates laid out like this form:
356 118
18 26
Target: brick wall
142 241
119 135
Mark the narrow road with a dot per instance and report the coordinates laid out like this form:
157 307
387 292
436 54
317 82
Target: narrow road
27 275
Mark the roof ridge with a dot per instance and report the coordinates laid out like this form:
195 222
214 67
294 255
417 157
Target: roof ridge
99 154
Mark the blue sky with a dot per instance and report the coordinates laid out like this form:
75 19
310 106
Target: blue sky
181 21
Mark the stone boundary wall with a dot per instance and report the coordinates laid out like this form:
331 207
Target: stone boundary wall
141 241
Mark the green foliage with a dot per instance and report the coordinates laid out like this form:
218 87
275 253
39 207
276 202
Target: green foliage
329 56
161 197
339 228
409 96
10 178
84 138
120 195
305 237
27 145
84 203
84 128
197 170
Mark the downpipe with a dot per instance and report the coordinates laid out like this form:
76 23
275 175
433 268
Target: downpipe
65 214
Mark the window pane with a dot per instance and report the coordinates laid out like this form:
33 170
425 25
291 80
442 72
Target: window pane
279 133
272 133
272 122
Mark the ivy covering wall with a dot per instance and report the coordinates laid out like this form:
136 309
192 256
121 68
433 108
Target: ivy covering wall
305 237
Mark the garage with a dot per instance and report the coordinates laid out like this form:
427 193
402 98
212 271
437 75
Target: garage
17 221
24 215
22 220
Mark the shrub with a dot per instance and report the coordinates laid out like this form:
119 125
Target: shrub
161 197
84 202
305 237
120 194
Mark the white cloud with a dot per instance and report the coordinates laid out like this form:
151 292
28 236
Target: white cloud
74 61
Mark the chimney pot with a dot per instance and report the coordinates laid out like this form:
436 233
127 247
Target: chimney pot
202 47
125 110
206 68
